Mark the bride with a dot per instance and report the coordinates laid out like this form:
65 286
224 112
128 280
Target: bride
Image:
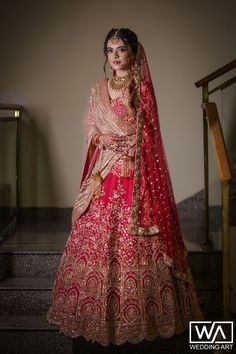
124 275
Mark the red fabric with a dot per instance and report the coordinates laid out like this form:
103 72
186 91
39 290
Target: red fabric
91 158
156 202
112 286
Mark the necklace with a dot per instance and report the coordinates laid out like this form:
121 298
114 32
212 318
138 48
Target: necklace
118 83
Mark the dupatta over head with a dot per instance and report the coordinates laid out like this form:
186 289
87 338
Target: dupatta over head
154 211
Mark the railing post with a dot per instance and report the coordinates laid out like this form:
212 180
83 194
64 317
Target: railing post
226 252
205 99
17 116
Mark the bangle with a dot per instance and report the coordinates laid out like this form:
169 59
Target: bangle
96 139
130 117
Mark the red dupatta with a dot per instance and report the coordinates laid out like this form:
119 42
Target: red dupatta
154 209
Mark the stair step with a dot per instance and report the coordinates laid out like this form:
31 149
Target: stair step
29 264
25 302
45 264
35 341
25 334
24 296
32 334
27 278
22 283
25 323
32 296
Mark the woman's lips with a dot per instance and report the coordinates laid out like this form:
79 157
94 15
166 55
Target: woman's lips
116 62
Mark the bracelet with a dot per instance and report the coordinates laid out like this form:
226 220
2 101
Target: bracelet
97 142
96 139
131 116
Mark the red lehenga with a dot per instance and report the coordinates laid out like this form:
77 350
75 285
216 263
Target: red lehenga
124 275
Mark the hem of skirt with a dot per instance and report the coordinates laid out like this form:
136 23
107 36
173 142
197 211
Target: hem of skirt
92 339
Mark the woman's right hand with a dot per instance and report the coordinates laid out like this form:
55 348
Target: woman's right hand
112 141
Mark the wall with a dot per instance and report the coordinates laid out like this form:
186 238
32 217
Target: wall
53 53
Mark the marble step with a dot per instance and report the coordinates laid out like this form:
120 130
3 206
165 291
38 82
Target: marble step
24 296
31 334
25 322
19 283
204 264
29 264
32 296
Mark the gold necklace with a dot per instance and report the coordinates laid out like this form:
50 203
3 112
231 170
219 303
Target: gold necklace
118 83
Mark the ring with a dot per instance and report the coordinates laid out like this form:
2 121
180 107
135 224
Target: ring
114 146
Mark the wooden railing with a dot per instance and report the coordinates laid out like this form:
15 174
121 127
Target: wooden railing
223 164
224 170
225 175
217 73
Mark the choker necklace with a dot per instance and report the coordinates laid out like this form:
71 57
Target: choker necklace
118 83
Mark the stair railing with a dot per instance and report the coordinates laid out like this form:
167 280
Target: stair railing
225 175
12 113
224 170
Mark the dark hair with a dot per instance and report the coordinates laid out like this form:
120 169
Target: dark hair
128 36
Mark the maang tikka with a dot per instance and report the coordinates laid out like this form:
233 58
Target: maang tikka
115 38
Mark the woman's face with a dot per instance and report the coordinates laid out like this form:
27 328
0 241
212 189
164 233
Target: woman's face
119 55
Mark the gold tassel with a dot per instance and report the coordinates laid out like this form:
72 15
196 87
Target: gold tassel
95 182
126 166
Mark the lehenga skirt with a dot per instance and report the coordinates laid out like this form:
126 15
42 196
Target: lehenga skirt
112 286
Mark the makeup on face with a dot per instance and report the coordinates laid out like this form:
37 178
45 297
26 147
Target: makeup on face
118 55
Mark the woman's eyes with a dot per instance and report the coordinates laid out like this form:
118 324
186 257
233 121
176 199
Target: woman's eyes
120 49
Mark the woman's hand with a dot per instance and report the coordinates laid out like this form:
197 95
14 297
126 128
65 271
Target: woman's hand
112 141
120 144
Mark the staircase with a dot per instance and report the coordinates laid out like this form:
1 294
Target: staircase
26 279
25 288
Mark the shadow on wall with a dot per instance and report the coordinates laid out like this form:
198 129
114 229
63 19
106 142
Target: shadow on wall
36 167
7 170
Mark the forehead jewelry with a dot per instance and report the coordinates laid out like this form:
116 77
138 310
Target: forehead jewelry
115 38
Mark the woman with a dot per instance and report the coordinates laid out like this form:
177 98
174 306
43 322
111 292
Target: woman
124 275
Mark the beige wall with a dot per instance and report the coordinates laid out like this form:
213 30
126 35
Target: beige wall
53 53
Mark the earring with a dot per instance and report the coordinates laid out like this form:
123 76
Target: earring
110 69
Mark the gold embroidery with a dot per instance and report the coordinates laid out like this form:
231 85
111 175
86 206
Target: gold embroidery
95 181
135 228
114 287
